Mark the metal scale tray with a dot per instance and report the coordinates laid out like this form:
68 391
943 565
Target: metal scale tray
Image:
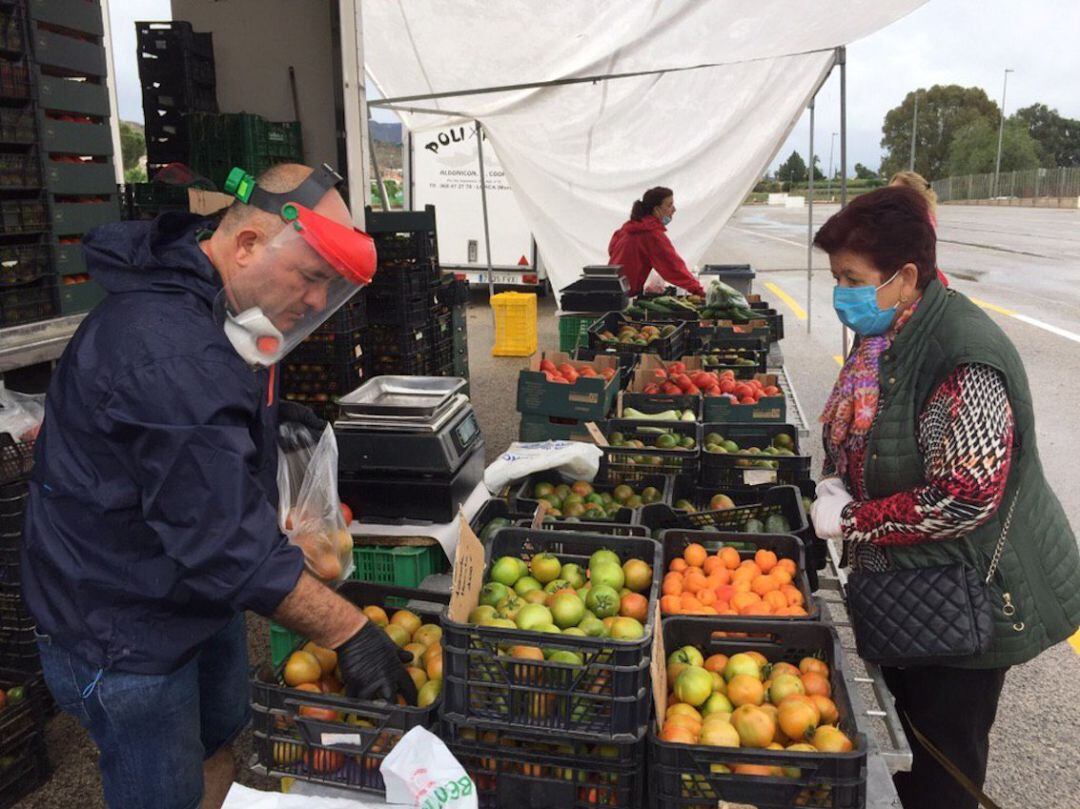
401 397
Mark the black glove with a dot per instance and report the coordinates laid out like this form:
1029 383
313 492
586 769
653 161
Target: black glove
298 426
373 667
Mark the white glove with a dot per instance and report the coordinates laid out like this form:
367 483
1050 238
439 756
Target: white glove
825 512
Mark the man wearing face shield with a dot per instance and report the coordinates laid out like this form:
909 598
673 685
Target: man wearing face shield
151 523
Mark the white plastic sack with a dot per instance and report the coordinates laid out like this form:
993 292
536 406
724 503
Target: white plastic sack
309 510
575 459
21 414
242 797
421 772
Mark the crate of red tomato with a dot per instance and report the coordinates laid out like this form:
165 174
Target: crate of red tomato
556 385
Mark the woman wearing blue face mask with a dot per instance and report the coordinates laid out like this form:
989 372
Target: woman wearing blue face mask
930 447
642 244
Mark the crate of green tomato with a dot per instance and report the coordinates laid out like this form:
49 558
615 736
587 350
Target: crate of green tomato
592 501
751 455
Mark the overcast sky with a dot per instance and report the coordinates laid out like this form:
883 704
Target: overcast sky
966 42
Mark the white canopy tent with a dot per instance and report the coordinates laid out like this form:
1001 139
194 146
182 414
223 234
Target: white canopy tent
590 102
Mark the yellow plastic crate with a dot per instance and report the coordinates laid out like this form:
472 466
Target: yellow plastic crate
515 324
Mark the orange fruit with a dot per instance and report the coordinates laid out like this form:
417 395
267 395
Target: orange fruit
766 560
695 554
673 585
788 565
695 581
678 565
792 594
670 605
759 657
707 597
827 708
713 582
797 610
707 610
686 721
712 564
781 575
689 602
816 683
716 663
764 584
742 600
677 734
741 586
776 600
742 689
730 557
757 608
745 574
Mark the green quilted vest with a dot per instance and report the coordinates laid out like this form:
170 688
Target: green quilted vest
1039 572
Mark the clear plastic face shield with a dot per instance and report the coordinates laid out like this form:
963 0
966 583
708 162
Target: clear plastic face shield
307 271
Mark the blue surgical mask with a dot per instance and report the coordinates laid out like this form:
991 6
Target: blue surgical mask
665 220
858 309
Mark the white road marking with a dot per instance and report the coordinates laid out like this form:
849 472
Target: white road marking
1068 335
767 236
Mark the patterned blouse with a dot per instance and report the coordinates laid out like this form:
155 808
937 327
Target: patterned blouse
965 437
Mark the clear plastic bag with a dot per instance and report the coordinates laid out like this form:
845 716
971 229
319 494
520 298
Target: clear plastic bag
309 511
655 284
21 414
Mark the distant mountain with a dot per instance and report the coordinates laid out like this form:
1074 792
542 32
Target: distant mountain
388 133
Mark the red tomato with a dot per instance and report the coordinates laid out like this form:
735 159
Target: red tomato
772 390
346 513
727 385
692 388
742 390
652 388
727 374
547 365
747 400
607 373
677 368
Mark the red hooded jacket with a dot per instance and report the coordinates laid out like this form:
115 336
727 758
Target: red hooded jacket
643 246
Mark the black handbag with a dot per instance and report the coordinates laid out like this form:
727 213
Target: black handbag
925 615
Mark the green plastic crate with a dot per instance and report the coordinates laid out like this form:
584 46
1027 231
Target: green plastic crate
574 331
405 566
282 643
220 141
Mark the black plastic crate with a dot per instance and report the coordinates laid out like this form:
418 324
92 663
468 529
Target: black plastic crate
524 500
441 357
706 332
775 319
21 722
179 92
682 775
13 29
392 341
13 506
671 347
323 405
518 768
25 769
609 293
173 54
634 464
27 303
20 170
310 378
21 263
18 648
329 347
23 216
607 697
612 529
459 292
494 509
405 246
15 82
407 280
785 546
741 469
18 125
652 403
393 308
782 500
288 741
404 365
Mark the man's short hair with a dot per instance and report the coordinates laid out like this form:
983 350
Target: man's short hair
276 179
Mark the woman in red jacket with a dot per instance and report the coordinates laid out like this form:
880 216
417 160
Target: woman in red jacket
642 244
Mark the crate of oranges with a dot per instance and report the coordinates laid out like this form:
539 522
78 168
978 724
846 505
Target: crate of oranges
717 574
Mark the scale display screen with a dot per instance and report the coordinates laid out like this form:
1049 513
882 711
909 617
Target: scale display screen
466 431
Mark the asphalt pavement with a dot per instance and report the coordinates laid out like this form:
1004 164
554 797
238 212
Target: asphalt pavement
1023 266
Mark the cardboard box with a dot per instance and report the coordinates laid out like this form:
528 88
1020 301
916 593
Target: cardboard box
208 202
587 399
768 410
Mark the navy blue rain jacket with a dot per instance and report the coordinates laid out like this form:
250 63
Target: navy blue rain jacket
152 515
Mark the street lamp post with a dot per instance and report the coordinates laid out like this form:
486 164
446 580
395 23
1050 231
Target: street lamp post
1001 131
832 143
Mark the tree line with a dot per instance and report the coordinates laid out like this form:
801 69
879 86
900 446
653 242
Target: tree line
956 133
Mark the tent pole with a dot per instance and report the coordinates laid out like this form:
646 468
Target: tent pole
810 225
383 199
841 57
483 202
354 94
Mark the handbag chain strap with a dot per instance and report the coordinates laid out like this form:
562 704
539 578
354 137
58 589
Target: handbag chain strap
1001 541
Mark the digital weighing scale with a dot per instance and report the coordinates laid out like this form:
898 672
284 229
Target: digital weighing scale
408 447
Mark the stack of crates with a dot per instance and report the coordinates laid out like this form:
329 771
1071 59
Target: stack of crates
459 320
176 71
411 305
329 363
27 276
74 137
22 740
220 141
